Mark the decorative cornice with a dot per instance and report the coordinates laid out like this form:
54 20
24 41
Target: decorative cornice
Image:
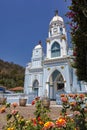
63 37
59 23
48 40
56 60
35 70
52 38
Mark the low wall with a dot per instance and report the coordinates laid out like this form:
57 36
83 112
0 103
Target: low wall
14 97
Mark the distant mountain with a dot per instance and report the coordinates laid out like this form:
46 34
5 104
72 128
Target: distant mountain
11 75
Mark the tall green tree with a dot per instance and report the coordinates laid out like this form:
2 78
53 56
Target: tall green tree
78 23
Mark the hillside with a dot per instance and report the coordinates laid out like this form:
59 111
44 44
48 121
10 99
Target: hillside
11 75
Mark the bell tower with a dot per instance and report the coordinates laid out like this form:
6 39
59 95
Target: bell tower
37 56
57 38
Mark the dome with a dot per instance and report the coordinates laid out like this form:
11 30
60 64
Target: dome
56 18
38 46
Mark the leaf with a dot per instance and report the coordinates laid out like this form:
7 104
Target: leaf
8 105
9 116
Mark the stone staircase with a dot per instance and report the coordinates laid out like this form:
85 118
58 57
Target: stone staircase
53 103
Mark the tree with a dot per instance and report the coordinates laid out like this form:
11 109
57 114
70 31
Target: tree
78 24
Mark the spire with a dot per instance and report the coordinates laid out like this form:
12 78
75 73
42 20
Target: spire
56 12
40 43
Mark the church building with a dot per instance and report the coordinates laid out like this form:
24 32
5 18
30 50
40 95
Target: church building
52 72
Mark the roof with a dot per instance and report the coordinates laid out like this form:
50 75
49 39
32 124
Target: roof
17 88
56 18
38 46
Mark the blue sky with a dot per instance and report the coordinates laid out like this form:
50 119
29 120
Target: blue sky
23 23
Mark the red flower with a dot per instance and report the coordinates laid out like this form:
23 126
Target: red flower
70 14
33 102
34 121
39 118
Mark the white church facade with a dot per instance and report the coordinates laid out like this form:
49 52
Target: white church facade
52 73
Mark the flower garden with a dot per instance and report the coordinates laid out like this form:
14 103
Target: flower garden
76 120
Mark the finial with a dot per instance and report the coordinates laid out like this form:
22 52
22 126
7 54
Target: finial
56 12
40 42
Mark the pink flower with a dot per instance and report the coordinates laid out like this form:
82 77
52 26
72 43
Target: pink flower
64 99
85 109
77 113
14 112
70 14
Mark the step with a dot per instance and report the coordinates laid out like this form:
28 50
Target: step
52 102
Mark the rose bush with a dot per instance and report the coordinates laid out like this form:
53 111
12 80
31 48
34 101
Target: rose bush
77 120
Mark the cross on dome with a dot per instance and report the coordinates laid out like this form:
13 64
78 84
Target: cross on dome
56 12
40 43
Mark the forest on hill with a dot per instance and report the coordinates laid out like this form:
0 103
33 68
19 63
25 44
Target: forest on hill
11 75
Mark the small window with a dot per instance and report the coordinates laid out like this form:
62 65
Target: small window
61 30
50 33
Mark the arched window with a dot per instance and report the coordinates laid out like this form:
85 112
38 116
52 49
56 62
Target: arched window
61 30
55 50
36 86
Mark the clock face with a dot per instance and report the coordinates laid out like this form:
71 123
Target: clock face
55 30
36 52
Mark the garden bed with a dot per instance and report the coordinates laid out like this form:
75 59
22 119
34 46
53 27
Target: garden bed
28 111
39 117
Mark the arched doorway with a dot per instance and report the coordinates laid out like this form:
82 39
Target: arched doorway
35 87
56 83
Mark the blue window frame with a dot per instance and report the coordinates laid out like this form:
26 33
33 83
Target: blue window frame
55 50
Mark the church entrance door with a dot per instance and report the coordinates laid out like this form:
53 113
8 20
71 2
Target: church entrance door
56 83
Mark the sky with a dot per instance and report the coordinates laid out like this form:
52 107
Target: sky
23 23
